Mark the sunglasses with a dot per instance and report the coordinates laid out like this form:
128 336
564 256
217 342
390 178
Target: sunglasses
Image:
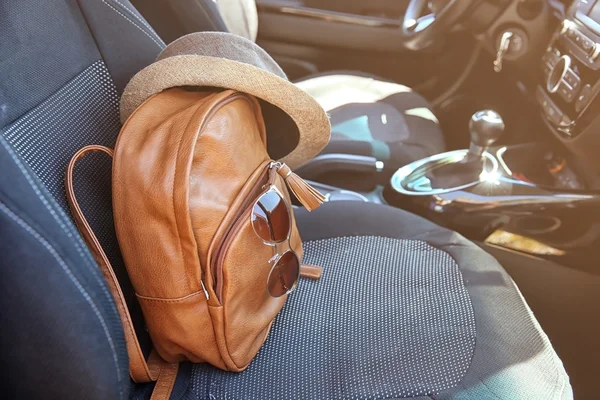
272 222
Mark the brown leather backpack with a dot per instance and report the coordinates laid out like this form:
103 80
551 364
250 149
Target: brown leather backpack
187 168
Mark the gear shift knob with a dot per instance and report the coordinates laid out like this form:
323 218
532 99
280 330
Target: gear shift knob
486 128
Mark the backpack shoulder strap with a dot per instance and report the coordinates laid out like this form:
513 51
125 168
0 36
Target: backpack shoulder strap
155 369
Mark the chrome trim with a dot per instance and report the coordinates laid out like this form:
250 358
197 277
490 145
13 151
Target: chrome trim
356 194
419 24
566 26
456 155
499 155
329 16
337 162
567 62
595 53
564 82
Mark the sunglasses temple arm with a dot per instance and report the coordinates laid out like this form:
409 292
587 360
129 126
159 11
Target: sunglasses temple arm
311 271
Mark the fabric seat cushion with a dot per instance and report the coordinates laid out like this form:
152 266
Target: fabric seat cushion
372 117
405 309
63 331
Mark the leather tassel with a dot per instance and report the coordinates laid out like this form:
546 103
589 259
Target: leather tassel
310 197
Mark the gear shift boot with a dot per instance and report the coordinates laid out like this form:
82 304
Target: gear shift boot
456 169
456 174
442 173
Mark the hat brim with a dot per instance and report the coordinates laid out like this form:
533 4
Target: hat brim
195 70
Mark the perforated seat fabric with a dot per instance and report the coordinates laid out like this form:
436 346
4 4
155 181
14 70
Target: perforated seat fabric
405 308
512 357
390 318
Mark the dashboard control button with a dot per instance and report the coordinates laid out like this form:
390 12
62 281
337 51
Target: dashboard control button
584 98
565 121
572 79
565 26
553 114
587 44
566 92
550 58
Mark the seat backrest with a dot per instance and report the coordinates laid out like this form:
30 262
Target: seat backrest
63 66
173 19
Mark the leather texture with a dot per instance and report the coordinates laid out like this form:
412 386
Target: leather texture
166 382
187 168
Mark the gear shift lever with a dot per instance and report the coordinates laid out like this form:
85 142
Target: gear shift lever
486 128
459 169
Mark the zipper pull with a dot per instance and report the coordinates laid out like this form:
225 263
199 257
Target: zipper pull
310 197
204 289
273 167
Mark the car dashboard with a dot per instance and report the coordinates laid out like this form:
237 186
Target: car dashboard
567 92
570 68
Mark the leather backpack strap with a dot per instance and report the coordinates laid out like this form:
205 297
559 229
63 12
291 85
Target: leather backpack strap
165 382
140 370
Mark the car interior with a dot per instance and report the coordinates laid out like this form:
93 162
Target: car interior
458 239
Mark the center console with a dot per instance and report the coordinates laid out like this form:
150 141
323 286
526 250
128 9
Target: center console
526 195
541 197
571 69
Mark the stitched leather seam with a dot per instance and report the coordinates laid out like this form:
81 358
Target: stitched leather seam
177 300
177 227
134 24
72 278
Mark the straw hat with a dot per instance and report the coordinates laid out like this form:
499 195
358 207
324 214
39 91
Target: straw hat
223 60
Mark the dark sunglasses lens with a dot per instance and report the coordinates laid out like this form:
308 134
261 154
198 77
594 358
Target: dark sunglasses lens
270 218
284 275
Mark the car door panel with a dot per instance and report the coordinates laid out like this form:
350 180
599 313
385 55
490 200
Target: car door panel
309 35
292 20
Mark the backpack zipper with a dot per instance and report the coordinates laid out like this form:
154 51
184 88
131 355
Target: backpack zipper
240 218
